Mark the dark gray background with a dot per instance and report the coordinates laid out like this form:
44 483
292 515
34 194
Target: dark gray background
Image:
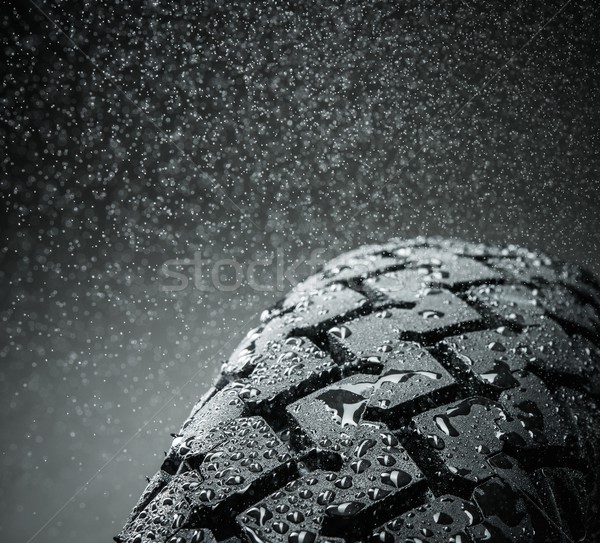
300 113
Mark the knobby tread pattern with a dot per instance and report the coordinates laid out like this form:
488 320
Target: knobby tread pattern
420 390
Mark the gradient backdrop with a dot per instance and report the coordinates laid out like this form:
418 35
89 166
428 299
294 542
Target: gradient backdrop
135 133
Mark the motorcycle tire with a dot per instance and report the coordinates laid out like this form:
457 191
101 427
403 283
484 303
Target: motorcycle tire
417 391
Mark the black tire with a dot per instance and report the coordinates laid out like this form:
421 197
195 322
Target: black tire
421 390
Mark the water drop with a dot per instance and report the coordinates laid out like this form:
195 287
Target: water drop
396 478
260 515
295 517
325 497
382 537
252 535
389 440
364 446
234 480
344 482
377 493
443 423
442 518
280 527
206 495
197 537
341 332
346 509
386 460
302 537
178 521
431 314
436 442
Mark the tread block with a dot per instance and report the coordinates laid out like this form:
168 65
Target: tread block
403 288
540 509
316 308
407 371
473 430
293 367
166 514
438 312
353 269
241 361
521 455
492 355
462 436
408 382
376 478
508 469
444 519
328 418
199 433
586 416
374 337
548 347
535 419
452 246
509 516
524 305
513 303
543 270
154 486
370 259
375 251
258 345
252 454
489 355
443 269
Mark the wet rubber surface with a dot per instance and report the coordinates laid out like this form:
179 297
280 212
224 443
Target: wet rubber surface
387 423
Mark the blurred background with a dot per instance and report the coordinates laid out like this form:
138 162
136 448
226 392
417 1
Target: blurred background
142 137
